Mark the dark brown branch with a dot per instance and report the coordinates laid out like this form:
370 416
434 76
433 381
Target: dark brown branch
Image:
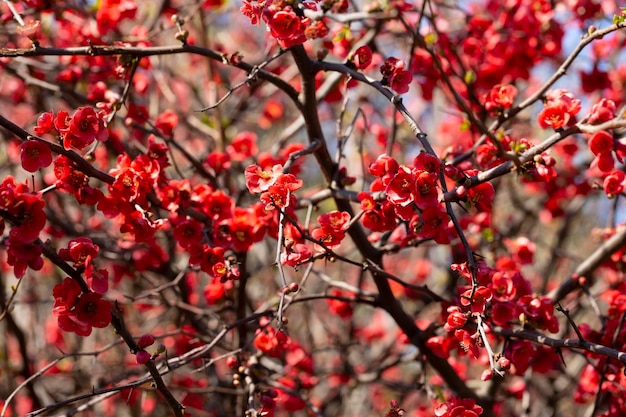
117 320
542 339
386 299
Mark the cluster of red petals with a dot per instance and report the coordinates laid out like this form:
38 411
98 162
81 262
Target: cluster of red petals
395 76
70 179
459 407
279 194
79 312
606 149
277 191
78 131
412 193
500 97
35 155
212 261
288 26
614 183
259 180
274 343
503 297
341 308
559 110
295 255
25 211
24 207
81 252
333 228
23 255
362 57
111 12
298 367
603 111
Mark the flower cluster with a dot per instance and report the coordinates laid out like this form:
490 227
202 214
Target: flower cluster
299 368
333 227
500 97
79 312
286 22
77 131
26 211
80 253
412 193
276 188
503 297
559 110
395 76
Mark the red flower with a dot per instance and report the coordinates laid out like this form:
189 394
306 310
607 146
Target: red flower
23 255
336 220
45 123
218 161
70 323
98 281
243 146
539 312
271 342
400 81
84 127
93 310
564 98
431 223
614 183
142 357
481 296
520 353
427 162
384 165
330 237
500 97
81 251
395 75
166 122
295 255
258 180
188 232
211 260
456 319
554 116
110 12
559 110
362 57
341 308
286 26
28 209
481 196
601 142
426 192
65 296
601 112
35 155
399 188
252 11
279 194
126 185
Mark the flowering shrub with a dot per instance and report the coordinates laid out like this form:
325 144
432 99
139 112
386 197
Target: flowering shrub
330 208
